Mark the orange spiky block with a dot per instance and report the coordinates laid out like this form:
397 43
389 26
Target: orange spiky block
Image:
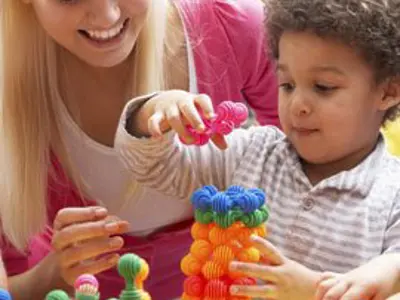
225 221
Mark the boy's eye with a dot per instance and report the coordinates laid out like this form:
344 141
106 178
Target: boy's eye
320 88
287 87
68 1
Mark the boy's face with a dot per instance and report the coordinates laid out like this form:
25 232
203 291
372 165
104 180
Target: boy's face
329 104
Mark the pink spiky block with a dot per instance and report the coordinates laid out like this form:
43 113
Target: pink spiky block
229 115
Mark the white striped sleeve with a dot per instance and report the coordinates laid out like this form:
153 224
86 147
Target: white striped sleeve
172 168
175 169
392 234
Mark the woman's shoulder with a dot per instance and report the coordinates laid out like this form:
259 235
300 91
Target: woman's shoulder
242 15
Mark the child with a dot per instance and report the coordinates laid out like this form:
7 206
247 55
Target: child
334 190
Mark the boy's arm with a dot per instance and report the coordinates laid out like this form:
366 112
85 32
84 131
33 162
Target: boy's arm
171 167
378 278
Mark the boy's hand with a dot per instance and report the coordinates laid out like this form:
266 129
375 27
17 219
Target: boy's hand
84 239
174 110
376 280
283 278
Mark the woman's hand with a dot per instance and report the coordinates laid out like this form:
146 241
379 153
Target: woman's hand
84 241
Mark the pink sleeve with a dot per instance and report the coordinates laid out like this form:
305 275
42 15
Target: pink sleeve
243 21
16 262
61 193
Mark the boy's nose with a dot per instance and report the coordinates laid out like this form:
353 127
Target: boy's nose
300 106
104 13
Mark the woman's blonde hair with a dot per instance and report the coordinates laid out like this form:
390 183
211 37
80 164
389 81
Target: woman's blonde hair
29 130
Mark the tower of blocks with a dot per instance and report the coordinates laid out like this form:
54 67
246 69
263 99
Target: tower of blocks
224 223
4 295
130 266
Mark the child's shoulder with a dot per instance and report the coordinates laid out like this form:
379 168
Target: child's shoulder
259 140
265 135
388 174
390 165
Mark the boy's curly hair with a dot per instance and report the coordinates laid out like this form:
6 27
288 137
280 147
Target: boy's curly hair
372 27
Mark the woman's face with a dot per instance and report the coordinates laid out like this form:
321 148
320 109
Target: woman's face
101 33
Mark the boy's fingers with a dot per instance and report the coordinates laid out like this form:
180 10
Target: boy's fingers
89 250
72 215
188 109
328 275
219 141
360 292
324 286
154 123
176 123
263 272
267 291
336 291
81 232
204 102
268 250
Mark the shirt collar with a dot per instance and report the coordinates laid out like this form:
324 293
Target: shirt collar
357 180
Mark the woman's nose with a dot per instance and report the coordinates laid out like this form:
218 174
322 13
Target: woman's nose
104 13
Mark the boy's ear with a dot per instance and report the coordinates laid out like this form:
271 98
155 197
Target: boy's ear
391 95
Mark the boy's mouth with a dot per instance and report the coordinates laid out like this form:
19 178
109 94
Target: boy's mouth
304 131
105 35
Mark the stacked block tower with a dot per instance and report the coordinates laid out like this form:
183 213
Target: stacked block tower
130 266
224 223
4 295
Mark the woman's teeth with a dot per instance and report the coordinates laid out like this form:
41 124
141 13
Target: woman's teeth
104 35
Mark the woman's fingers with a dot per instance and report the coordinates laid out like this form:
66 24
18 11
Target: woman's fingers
93 267
89 250
84 231
72 215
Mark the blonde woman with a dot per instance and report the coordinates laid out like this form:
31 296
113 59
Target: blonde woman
67 204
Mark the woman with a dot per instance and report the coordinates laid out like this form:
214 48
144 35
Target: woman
69 68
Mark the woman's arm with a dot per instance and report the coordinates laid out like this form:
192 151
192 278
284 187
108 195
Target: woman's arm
3 276
38 281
